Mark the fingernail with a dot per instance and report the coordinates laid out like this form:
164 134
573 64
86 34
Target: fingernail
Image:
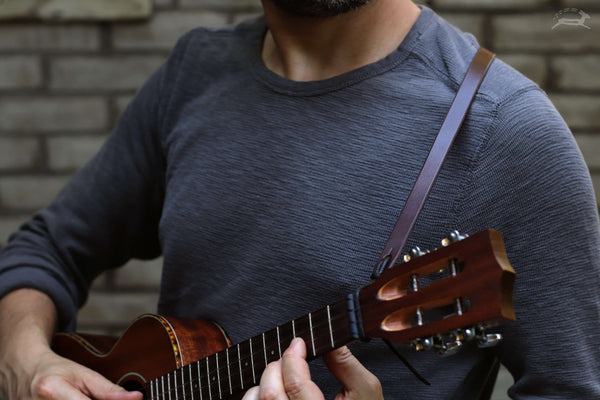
296 344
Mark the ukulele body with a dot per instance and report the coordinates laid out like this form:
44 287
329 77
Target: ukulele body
151 347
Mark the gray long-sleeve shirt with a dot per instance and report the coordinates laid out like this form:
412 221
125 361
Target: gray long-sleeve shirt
270 198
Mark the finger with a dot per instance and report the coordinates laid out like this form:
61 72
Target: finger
271 383
353 376
252 394
296 374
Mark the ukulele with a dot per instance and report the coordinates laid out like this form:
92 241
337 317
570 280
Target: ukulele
433 300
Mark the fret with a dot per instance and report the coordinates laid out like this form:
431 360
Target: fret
271 345
228 371
240 363
183 384
286 334
321 334
168 385
218 373
189 367
152 389
302 327
245 363
279 342
330 328
312 335
264 349
175 388
341 324
236 381
251 356
208 378
256 357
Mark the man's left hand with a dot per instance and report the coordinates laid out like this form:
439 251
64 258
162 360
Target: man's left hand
289 378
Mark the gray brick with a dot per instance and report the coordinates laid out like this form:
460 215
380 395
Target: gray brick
162 32
467 23
116 308
29 192
231 4
532 66
102 73
121 103
20 72
19 153
577 72
8 225
589 143
492 4
534 32
23 37
163 3
83 9
581 112
242 16
72 152
139 274
52 114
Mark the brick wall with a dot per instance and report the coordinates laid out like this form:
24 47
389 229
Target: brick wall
63 86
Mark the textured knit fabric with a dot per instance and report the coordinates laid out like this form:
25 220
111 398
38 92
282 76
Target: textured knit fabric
270 198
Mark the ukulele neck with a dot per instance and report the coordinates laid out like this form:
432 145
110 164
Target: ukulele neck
240 366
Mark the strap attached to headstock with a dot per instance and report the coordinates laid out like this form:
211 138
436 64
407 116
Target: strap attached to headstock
437 155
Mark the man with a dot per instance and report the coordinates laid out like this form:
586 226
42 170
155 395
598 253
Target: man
268 162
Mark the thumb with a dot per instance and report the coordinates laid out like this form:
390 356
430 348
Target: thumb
357 381
101 388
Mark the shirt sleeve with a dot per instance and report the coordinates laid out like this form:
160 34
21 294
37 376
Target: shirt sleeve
531 184
108 213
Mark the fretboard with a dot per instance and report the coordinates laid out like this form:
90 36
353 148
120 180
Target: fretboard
239 367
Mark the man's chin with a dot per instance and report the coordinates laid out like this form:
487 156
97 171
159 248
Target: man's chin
318 8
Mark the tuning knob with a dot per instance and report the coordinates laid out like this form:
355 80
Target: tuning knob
489 340
454 236
423 344
414 253
450 348
466 334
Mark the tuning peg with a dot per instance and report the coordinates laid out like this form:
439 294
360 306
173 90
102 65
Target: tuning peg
485 340
450 348
423 344
414 253
466 334
454 236
489 340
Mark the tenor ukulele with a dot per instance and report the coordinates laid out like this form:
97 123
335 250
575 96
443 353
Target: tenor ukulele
432 300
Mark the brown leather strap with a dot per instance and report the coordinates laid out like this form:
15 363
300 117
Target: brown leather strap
439 150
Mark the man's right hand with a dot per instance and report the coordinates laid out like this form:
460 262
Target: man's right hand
50 376
29 369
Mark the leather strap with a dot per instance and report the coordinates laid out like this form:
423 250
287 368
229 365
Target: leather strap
437 154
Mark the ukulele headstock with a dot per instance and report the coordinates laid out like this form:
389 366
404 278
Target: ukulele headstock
437 300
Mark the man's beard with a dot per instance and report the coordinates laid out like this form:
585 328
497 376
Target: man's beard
318 8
